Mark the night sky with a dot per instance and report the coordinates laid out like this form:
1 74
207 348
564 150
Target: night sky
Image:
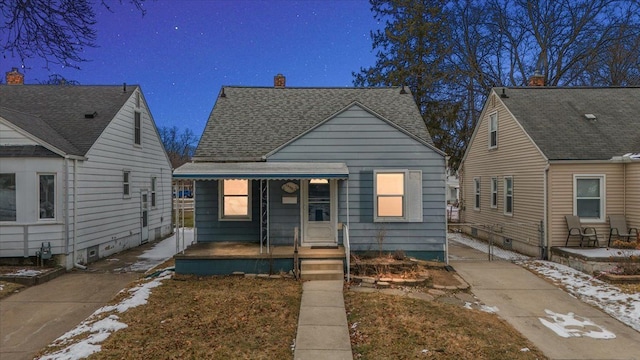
182 51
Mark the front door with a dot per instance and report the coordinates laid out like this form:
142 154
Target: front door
319 212
144 217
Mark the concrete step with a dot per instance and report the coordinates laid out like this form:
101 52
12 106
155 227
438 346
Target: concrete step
321 265
322 275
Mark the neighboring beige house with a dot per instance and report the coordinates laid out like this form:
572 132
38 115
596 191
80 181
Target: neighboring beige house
540 153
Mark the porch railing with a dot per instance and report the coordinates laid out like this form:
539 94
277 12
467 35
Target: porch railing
347 249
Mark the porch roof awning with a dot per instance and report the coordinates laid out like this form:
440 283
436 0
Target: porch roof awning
261 170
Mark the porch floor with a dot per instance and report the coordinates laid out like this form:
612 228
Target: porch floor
242 250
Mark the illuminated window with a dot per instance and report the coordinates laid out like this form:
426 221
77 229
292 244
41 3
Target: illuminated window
397 195
390 195
47 197
235 200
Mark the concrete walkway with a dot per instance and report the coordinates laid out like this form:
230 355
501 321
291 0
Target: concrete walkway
34 317
522 299
322 325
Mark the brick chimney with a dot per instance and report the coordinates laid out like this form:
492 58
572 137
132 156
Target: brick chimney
536 79
14 77
279 81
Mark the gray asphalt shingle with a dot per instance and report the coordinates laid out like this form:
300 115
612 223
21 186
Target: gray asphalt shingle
56 114
249 122
554 117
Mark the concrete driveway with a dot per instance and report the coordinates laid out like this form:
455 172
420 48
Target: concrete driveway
34 317
523 298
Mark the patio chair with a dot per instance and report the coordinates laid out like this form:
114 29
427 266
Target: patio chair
618 227
587 234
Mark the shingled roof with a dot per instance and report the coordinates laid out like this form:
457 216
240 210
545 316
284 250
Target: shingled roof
247 123
556 120
56 114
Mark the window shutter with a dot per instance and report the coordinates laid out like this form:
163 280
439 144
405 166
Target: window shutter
414 196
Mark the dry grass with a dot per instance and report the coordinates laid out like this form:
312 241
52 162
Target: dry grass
8 288
387 327
628 288
210 318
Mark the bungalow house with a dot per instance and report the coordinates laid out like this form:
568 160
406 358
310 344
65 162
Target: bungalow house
541 153
82 169
350 168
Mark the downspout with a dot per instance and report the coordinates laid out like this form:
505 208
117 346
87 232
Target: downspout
66 208
545 226
75 212
446 220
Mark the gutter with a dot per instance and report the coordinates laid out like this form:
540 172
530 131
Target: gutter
545 226
446 220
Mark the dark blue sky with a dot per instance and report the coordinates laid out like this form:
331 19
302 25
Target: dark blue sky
183 51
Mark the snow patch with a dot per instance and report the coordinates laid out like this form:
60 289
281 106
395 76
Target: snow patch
571 325
25 272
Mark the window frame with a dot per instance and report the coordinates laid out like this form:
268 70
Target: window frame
154 184
126 184
493 129
53 202
477 184
137 128
221 196
507 195
603 199
494 192
404 217
15 197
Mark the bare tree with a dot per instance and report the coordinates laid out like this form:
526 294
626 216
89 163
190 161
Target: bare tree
180 146
57 31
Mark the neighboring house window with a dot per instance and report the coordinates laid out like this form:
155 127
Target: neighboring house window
137 136
493 130
7 197
476 191
235 200
137 99
126 183
153 191
494 192
47 198
508 195
588 200
397 195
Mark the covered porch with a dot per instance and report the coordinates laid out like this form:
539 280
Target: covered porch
264 217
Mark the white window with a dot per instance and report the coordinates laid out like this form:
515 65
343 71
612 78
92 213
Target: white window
137 124
153 191
397 195
588 197
494 193
493 130
235 200
508 195
7 197
126 183
47 197
476 191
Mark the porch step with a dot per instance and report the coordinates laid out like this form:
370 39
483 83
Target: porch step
322 269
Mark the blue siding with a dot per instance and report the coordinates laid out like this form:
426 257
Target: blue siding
366 143
210 229
283 218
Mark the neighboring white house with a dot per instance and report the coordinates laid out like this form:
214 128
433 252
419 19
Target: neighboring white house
81 168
